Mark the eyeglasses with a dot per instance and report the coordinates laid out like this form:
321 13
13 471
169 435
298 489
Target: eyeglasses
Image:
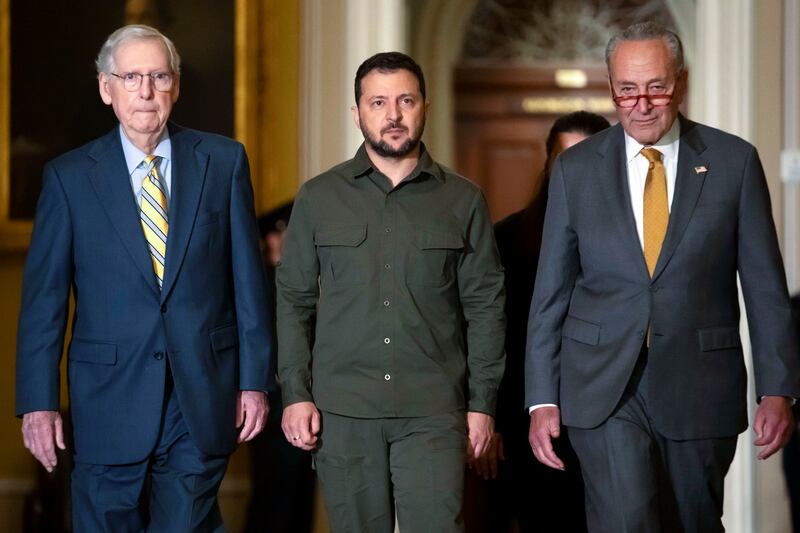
656 100
162 81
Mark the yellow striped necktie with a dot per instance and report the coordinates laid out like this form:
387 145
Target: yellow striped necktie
153 216
656 208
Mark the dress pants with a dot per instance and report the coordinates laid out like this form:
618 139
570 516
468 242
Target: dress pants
174 490
369 467
639 481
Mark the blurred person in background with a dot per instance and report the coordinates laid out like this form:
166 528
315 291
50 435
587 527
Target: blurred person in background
508 484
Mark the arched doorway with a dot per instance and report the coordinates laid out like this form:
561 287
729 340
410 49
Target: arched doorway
523 64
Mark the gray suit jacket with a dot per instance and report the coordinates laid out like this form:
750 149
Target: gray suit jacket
594 299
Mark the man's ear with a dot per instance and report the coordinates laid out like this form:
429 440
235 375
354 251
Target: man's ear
176 88
356 118
682 85
102 85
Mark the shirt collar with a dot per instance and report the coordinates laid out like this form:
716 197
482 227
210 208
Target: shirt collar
361 165
667 145
134 156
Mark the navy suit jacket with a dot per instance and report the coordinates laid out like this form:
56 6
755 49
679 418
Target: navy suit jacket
211 321
594 299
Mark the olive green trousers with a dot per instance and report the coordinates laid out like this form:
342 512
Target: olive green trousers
369 468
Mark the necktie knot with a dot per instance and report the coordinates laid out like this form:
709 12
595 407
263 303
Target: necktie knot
652 155
150 162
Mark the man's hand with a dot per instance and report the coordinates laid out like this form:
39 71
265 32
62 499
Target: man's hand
545 426
773 424
301 425
42 431
480 428
252 409
486 464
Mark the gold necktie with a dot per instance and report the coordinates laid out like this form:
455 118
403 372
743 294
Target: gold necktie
153 216
656 208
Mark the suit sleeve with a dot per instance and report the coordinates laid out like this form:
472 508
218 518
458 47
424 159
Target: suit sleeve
251 290
45 300
482 295
559 266
774 342
297 279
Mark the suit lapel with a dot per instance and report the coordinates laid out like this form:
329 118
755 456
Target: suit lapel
110 179
188 177
615 168
688 184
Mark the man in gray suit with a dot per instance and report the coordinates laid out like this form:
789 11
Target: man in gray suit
633 338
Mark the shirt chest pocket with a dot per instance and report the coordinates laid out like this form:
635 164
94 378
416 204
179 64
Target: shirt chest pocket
343 255
434 256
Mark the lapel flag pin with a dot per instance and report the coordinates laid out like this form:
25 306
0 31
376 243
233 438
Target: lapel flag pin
700 170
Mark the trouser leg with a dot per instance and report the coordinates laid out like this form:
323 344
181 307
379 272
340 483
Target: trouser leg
619 464
184 480
353 471
696 475
427 465
105 498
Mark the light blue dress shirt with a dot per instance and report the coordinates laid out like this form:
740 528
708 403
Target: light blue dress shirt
134 160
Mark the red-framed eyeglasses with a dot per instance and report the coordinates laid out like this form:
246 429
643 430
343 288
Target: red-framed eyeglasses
628 102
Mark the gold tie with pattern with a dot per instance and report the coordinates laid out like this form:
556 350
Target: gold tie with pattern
153 216
656 208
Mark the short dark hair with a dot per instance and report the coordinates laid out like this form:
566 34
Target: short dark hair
647 31
386 62
577 122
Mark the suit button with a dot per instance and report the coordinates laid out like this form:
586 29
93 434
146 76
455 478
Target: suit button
163 308
654 288
159 355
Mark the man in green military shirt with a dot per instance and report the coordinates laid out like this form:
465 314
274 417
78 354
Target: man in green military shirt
390 319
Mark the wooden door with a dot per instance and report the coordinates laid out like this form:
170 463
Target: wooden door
503 115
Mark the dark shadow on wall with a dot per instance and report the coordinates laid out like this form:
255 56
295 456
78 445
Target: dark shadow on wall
55 105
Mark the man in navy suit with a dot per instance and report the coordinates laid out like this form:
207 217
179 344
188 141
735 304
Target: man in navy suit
633 336
170 356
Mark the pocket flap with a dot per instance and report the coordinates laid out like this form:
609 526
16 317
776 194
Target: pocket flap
719 338
224 337
100 353
341 236
435 239
581 330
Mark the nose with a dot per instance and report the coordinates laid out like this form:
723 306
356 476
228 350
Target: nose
146 88
643 105
393 112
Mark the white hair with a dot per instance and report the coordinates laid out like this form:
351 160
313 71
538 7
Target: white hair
134 32
646 31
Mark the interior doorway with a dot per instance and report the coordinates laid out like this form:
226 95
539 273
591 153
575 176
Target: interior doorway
503 115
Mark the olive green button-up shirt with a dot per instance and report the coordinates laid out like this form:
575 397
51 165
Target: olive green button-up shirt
390 300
